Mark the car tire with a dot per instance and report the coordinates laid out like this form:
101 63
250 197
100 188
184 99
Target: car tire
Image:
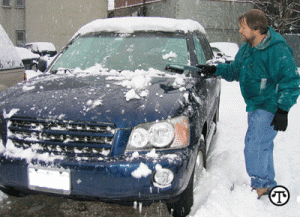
12 192
183 206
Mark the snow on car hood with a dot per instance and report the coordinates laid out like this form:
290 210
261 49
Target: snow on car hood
125 99
132 24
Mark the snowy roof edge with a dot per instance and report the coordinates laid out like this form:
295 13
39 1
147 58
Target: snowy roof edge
131 24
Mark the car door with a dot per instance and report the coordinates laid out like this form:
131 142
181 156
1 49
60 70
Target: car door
210 86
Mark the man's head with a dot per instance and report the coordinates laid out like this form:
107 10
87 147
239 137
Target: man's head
253 26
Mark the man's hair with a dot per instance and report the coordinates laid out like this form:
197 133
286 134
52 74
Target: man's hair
256 20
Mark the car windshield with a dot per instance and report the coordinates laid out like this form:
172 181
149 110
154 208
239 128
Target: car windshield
124 52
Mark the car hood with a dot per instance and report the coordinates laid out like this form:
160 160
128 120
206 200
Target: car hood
98 98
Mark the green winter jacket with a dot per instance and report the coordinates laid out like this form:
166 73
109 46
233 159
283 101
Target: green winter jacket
267 73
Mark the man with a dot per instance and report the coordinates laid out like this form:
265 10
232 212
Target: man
269 82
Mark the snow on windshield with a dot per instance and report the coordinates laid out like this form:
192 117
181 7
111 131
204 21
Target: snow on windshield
135 81
132 24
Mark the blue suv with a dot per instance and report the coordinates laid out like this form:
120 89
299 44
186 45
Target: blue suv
121 115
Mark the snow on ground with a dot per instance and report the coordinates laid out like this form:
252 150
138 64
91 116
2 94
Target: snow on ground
224 188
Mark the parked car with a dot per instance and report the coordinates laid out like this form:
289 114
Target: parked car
29 59
225 50
42 48
293 40
11 67
121 115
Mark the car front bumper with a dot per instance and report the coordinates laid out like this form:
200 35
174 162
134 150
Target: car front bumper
110 180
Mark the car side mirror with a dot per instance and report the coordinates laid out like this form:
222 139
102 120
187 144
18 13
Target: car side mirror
42 65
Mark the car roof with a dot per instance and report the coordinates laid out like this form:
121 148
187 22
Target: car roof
42 46
9 58
25 54
133 24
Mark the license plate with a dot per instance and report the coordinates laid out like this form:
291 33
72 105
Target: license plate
49 180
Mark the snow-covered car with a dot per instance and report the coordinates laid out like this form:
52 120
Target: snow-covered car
225 50
29 59
11 67
121 115
42 48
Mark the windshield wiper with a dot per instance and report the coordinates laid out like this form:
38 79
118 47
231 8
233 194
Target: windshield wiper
65 70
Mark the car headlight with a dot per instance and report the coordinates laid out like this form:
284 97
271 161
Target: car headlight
171 133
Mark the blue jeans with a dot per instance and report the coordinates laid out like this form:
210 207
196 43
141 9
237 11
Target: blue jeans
259 149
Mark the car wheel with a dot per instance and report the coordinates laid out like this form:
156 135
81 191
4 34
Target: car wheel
12 192
183 206
199 166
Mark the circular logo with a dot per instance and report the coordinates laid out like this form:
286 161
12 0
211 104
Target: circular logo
279 195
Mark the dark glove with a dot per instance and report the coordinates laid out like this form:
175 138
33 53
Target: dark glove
207 69
280 120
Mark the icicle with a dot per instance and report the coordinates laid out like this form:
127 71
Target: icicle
140 207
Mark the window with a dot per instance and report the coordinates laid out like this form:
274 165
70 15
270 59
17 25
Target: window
206 47
20 3
199 51
6 3
20 38
137 51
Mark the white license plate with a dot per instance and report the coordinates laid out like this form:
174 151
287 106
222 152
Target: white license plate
49 180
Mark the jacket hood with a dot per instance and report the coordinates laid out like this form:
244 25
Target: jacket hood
272 38
96 98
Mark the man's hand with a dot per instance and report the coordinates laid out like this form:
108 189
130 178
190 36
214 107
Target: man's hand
207 69
280 120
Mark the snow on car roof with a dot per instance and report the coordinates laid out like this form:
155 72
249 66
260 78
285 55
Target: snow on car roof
9 58
132 24
42 46
26 54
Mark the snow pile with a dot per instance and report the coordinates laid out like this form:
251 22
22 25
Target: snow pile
31 74
41 46
142 171
26 54
132 24
169 55
138 81
2 196
9 58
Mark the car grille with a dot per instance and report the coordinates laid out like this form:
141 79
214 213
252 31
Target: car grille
62 138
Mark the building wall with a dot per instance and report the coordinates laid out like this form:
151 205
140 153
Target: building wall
219 18
57 20
12 19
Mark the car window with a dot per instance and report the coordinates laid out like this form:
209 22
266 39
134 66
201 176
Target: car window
199 51
206 46
128 52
